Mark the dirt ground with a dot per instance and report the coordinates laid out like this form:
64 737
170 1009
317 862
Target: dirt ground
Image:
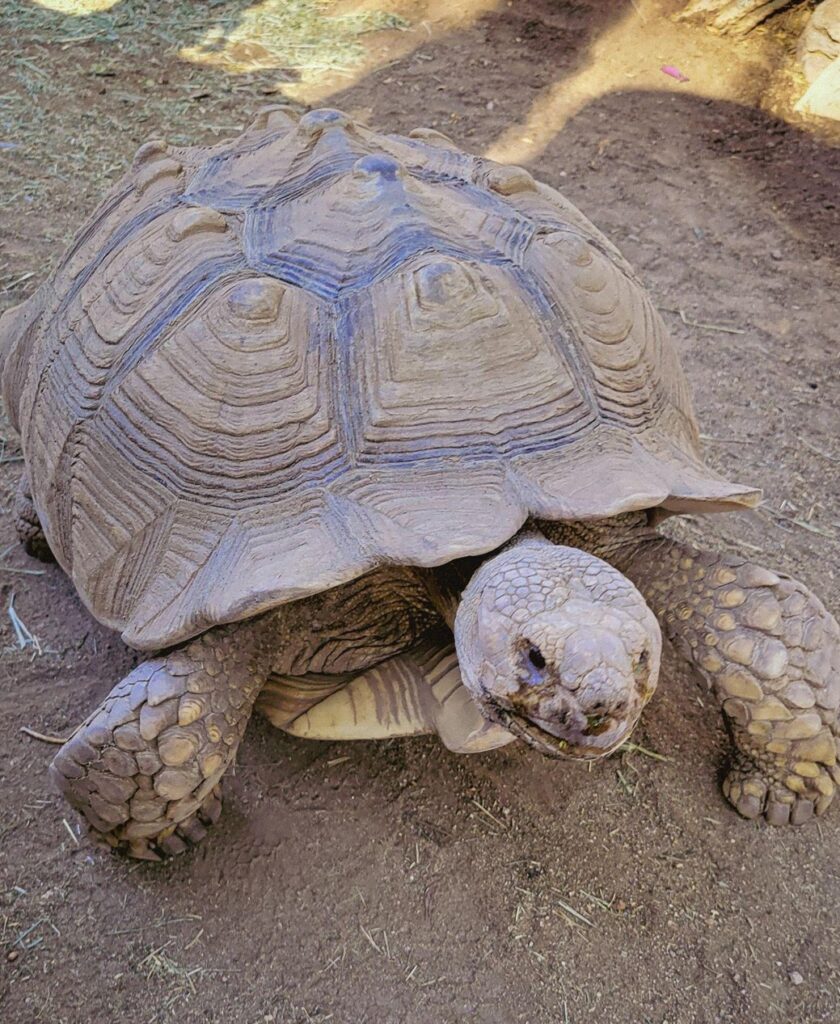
377 883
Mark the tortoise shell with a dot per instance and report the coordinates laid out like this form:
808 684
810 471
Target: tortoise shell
267 367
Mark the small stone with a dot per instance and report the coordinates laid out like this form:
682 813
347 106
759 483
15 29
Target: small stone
796 978
775 254
12 955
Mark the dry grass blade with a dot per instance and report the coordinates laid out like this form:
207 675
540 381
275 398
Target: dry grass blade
22 633
489 814
723 328
635 748
571 910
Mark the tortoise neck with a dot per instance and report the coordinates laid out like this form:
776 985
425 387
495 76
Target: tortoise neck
445 584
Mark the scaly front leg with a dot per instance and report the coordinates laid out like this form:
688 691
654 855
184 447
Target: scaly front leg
771 652
144 768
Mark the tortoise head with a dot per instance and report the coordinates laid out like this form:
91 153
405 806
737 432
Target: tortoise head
558 647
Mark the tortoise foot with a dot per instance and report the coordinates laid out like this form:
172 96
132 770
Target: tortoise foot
793 800
172 841
144 768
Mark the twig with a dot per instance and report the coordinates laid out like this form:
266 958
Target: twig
58 740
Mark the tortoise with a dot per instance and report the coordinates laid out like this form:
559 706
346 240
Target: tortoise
375 436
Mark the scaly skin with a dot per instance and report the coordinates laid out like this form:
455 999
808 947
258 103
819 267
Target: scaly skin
28 525
144 768
768 648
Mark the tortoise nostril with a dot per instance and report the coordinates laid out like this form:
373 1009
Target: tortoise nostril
535 656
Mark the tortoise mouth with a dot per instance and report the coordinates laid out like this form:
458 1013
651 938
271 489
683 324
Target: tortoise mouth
603 734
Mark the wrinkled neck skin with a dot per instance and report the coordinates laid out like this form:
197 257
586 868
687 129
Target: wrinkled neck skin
554 644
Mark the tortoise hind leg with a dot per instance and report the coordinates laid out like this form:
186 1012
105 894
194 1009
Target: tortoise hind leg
144 768
28 525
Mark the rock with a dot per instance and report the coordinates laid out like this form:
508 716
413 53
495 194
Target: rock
819 44
796 978
823 97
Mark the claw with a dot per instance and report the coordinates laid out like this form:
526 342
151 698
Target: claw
803 810
749 806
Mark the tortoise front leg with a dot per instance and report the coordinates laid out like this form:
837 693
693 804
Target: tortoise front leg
771 652
144 768
28 525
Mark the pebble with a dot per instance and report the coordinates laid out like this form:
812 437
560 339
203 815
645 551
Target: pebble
12 955
775 254
795 978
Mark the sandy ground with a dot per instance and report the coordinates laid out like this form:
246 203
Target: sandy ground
395 882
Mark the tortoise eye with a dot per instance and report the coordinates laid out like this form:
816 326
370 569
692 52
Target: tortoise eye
536 658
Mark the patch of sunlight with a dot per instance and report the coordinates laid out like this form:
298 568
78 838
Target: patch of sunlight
77 7
319 40
629 55
309 37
